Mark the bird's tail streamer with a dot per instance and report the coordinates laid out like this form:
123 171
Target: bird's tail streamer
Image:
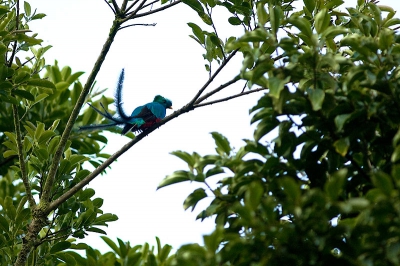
118 97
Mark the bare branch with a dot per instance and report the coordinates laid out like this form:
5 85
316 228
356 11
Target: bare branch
131 15
229 98
115 5
131 6
154 11
123 6
152 24
223 86
151 3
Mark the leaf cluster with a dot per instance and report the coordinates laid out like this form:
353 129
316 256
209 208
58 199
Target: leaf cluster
325 190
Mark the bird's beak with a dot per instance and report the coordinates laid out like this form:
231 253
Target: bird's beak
170 107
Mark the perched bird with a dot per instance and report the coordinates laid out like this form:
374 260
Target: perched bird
141 118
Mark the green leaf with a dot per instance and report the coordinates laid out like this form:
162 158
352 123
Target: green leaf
195 5
60 246
189 159
62 85
9 153
74 77
234 21
45 137
264 127
104 218
257 35
38 16
302 24
39 130
96 230
391 22
67 258
316 97
6 85
198 32
276 85
262 15
112 245
310 5
176 177
27 8
333 31
253 195
342 146
194 198
340 120
9 208
4 224
383 181
275 19
322 20
206 18
334 186
41 83
223 146
122 248
86 194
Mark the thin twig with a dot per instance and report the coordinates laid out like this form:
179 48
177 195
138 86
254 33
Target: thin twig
229 98
131 6
22 165
111 6
153 11
116 7
221 87
131 16
151 3
152 24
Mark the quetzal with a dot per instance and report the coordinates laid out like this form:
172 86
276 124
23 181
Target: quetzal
141 118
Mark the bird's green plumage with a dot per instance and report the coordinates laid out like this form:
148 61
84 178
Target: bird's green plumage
141 118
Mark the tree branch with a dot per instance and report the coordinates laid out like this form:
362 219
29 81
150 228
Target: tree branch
131 6
75 112
22 165
223 86
115 6
152 24
131 15
229 98
123 6
154 11
151 3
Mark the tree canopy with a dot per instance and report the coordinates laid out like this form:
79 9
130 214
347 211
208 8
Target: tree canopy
324 191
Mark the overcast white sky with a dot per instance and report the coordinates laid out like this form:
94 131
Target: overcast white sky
157 60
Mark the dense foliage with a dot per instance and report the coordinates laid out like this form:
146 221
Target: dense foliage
317 185
325 190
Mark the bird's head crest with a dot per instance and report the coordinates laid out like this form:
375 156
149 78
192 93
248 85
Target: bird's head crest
164 101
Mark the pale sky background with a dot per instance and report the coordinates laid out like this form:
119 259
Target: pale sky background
157 60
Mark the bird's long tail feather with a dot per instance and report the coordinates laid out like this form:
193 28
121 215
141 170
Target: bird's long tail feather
118 97
91 127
